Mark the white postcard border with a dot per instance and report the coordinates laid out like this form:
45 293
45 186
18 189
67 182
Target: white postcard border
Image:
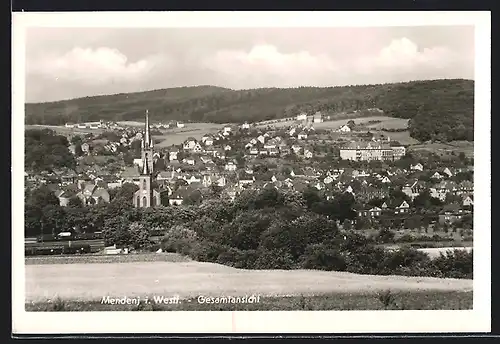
476 320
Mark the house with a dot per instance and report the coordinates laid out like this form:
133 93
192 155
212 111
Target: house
227 147
413 188
254 151
368 193
373 212
138 162
248 145
64 196
386 180
177 197
72 149
302 135
318 117
130 175
273 151
253 141
192 179
444 187
302 117
180 125
328 180
230 166
296 173
308 153
206 137
292 131
447 172
344 129
403 208
436 175
261 139
221 181
417 167
284 151
189 161
189 144
271 144
197 148
232 192
452 213
349 190
296 149
85 147
91 194
319 186
206 160
245 179
172 155
245 126
468 201
465 187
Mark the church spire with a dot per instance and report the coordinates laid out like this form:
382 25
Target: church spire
145 167
148 142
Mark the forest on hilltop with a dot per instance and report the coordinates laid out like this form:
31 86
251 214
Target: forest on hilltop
440 110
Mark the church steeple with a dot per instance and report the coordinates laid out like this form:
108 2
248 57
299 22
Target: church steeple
147 140
146 196
145 167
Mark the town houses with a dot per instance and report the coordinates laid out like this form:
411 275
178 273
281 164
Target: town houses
293 158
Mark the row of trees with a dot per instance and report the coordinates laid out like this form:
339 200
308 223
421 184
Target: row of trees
440 109
45 150
268 229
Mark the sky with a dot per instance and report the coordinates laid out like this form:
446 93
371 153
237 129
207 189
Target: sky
64 63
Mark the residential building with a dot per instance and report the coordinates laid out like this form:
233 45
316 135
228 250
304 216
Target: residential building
361 151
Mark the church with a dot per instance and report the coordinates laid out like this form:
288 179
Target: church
146 196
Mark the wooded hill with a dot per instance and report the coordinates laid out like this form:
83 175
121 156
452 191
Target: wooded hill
439 109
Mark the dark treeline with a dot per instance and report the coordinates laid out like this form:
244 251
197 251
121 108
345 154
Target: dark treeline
44 150
438 109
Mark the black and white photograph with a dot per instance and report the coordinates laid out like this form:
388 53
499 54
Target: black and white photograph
240 172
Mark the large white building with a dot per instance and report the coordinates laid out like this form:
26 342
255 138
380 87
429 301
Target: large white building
360 151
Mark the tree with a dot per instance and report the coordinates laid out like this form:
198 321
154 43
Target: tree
75 202
42 196
179 239
385 236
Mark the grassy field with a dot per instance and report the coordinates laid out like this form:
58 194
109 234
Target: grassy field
386 300
392 123
179 135
444 149
104 259
335 124
65 131
90 282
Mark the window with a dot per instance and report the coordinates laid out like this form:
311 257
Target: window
153 201
138 201
144 184
144 201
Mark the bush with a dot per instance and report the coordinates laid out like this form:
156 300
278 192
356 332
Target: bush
322 258
207 251
238 258
179 239
454 264
274 259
